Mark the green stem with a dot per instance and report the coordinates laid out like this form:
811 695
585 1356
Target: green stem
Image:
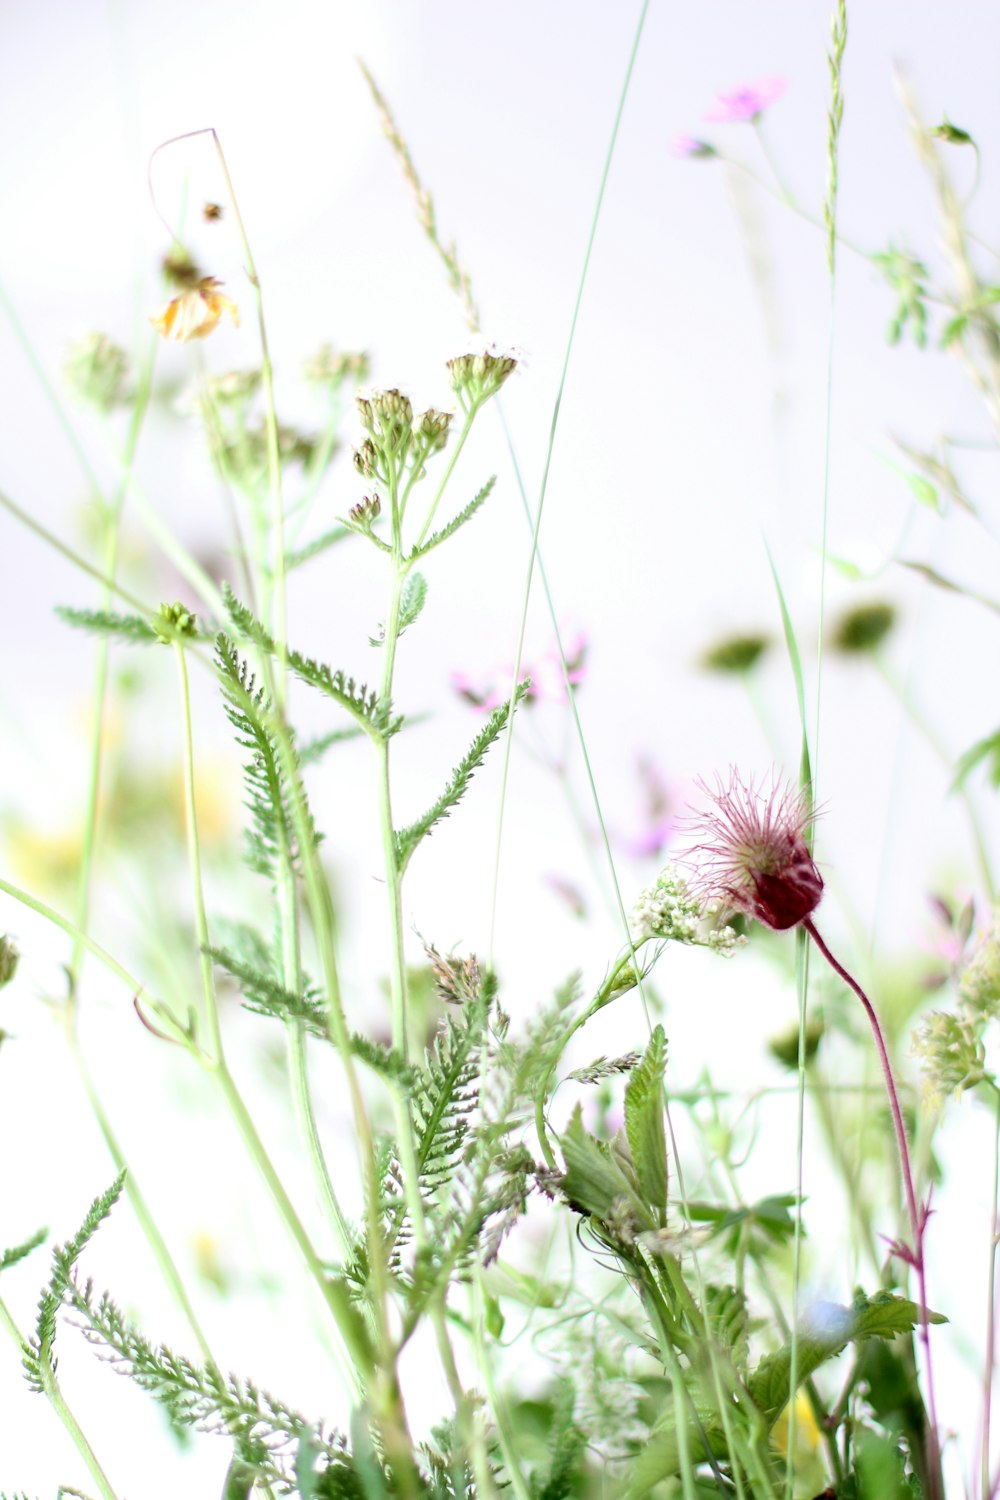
470 417
56 1399
989 1363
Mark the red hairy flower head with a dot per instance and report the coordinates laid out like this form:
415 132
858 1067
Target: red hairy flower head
751 851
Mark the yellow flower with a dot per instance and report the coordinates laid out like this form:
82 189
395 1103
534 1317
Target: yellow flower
193 313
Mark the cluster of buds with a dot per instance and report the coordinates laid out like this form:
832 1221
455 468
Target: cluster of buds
667 910
177 620
361 517
736 654
96 371
366 460
863 628
387 416
476 377
432 429
952 1052
329 368
979 981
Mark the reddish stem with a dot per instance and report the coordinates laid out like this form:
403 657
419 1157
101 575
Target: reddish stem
918 1218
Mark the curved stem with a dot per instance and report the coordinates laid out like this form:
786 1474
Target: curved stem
917 1215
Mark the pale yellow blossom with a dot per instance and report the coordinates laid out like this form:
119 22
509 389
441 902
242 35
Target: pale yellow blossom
193 313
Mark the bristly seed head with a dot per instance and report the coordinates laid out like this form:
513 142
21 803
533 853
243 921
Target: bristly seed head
751 852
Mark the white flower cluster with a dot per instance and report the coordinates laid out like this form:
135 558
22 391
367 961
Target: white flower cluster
666 909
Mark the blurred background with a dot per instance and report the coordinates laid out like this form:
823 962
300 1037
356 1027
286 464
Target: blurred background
709 364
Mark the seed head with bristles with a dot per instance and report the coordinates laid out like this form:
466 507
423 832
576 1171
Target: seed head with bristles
750 851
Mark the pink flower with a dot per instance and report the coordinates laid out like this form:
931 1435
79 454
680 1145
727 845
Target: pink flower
690 146
752 853
548 682
746 103
658 819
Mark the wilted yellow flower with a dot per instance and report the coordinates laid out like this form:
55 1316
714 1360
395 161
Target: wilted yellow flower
194 312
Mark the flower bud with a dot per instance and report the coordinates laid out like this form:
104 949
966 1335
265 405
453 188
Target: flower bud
9 956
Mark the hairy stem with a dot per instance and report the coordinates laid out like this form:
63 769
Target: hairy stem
917 1215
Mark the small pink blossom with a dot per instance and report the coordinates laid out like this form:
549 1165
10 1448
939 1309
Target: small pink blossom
752 852
689 146
548 681
746 103
658 819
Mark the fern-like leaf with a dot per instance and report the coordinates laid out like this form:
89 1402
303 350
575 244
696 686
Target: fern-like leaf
37 1354
315 547
644 1121
364 705
271 835
18 1252
133 630
437 537
408 838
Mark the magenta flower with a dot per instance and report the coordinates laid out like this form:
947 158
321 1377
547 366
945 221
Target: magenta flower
746 103
752 852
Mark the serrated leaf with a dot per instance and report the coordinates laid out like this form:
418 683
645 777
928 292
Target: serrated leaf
605 1067
413 598
438 537
593 1179
644 1121
407 839
314 548
133 630
19 1252
826 1332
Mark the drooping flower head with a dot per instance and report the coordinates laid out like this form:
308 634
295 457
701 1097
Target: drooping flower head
194 312
747 102
750 851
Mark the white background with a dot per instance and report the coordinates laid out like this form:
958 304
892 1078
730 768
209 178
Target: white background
691 433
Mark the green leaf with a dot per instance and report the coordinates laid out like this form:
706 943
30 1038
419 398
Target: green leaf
644 1121
437 537
18 1252
364 705
986 749
827 1331
133 630
594 1182
938 579
315 547
412 601
407 839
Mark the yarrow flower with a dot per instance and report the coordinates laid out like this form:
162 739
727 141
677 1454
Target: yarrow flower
751 852
746 103
194 312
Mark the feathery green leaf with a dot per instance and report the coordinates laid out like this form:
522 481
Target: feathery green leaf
437 537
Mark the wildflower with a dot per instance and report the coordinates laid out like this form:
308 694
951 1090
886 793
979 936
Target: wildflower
690 148
194 312
753 853
667 910
327 367
658 820
746 103
547 678
476 377
9 955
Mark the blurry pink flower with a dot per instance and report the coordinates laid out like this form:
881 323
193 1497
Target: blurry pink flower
752 853
548 682
746 103
658 820
690 146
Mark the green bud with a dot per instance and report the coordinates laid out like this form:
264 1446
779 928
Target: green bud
476 377
979 981
737 654
946 131
432 426
179 621
9 955
863 628
366 459
953 1054
784 1048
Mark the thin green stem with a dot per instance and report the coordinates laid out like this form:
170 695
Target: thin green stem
74 557
53 1393
989 1360
470 417
211 1009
